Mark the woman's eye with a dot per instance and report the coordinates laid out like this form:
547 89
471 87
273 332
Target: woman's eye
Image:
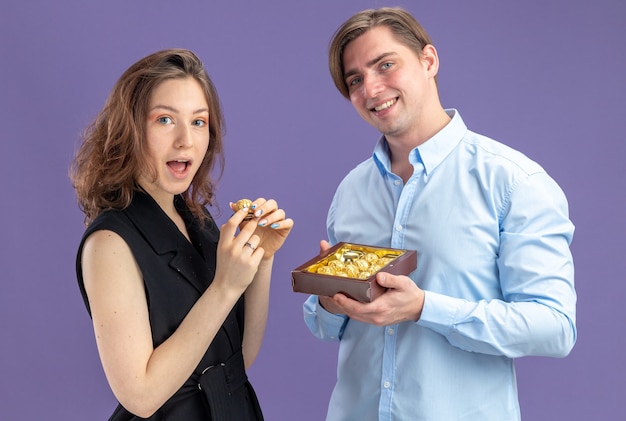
199 123
165 120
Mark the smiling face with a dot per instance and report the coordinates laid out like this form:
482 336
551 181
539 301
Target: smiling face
390 87
177 137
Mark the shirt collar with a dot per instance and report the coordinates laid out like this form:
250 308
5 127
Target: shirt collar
430 153
166 239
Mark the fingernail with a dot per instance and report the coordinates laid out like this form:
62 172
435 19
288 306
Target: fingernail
262 222
257 213
274 225
253 206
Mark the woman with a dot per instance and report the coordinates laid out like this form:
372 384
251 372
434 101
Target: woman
179 307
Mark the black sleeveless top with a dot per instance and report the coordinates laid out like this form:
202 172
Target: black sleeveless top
175 274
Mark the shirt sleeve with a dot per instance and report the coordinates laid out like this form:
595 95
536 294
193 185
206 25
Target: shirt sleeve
330 220
323 324
536 315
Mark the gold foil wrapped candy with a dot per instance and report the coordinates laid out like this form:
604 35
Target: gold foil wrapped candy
354 262
325 270
357 279
245 203
361 264
336 265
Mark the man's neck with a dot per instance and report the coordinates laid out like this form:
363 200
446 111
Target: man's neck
401 146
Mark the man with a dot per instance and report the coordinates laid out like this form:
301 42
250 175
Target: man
495 277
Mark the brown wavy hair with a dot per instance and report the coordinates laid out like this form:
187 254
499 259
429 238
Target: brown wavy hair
113 149
402 24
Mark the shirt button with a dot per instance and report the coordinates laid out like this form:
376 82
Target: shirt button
386 385
397 182
390 331
398 228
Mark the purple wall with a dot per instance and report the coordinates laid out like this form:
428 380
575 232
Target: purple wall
545 77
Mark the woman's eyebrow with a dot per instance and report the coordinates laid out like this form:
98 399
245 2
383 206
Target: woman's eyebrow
174 110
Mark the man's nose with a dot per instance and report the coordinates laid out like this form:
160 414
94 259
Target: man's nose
372 86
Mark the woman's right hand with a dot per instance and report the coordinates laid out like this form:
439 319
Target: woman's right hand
238 255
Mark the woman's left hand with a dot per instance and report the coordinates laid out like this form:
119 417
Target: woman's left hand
273 226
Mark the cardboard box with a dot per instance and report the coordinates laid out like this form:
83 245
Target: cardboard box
338 273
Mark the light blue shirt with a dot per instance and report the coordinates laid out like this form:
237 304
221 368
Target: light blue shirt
492 234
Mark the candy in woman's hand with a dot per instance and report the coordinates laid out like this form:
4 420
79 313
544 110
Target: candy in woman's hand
245 203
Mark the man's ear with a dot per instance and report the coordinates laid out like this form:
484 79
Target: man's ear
430 59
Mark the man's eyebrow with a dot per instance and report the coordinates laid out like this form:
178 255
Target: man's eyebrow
370 63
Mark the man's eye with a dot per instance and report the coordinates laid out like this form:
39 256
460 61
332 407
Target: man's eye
354 81
165 120
386 66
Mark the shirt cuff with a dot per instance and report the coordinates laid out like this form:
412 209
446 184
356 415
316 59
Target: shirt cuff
439 312
332 324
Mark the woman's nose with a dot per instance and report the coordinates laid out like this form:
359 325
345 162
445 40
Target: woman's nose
183 137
